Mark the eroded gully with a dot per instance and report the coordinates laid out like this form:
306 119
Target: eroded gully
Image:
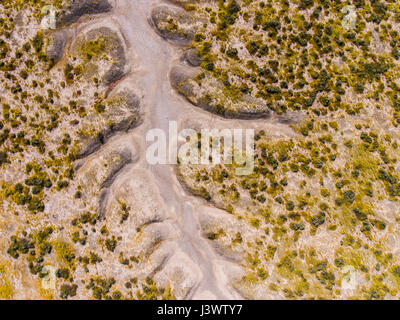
153 58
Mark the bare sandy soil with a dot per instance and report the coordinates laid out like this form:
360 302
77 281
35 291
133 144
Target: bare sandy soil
190 231
154 58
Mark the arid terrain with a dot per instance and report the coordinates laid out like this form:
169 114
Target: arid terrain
83 213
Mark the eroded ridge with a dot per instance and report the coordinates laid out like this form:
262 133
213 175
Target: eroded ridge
77 219
84 216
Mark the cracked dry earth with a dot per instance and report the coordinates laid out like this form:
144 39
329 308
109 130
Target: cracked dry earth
84 215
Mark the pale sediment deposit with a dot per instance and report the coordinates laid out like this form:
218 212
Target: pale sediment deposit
84 215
